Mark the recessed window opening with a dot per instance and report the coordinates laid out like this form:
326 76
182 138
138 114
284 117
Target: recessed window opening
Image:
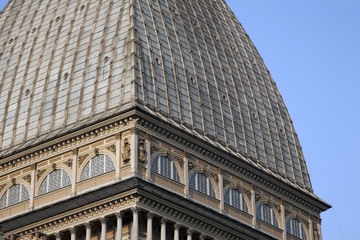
165 167
15 194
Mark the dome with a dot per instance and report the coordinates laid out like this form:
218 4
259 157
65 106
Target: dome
65 65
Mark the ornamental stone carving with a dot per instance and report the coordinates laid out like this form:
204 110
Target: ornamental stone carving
126 153
111 148
82 158
142 150
27 178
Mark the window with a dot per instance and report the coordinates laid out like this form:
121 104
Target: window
98 165
15 194
164 166
201 183
55 180
236 199
266 213
295 228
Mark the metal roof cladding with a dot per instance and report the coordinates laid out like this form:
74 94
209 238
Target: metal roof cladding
188 62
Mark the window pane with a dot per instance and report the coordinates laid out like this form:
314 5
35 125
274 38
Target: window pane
54 180
24 194
66 179
14 195
85 173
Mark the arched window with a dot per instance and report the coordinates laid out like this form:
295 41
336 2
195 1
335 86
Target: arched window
55 180
266 213
98 165
201 183
164 166
294 227
15 194
235 198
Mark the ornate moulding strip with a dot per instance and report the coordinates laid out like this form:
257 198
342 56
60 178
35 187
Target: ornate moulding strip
66 143
230 164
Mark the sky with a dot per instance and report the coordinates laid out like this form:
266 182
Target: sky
312 50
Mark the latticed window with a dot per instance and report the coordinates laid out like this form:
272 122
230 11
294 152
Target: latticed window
55 180
201 183
98 165
265 213
294 227
235 198
164 166
15 194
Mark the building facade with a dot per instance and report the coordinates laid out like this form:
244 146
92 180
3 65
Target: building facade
144 119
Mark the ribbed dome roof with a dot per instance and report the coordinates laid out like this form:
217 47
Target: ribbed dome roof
67 64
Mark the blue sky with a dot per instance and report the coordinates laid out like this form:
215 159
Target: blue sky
312 50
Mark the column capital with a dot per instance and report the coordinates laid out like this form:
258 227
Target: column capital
73 229
119 215
88 224
189 232
103 219
164 220
135 210
58 235
202 237
177 226
150 215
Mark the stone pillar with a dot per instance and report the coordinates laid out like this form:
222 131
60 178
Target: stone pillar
74 171
186 174
135 230
58 236
148 156
311 229
134 153
283 219
88 230
176 231
149 226
163 228
319 228
103 228
118 156
119 217
202 237
221 190
189 234
32 187
73 233
253 205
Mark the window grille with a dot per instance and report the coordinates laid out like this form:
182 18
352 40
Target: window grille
55 180
266 213
165 167
15 194
201 183
98 165
235 198
294 227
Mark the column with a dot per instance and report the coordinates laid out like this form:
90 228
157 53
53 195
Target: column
283 219
149 225
118 156
148 156
103 228
73 233
134 153
58 236
32 189
319 228
253 205
88 230
221 190
311 228
202 237
186 174
119 217
163 228
176 231
135 230
74 171
189 234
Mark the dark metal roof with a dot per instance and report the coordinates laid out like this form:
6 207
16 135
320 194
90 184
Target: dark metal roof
67 64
